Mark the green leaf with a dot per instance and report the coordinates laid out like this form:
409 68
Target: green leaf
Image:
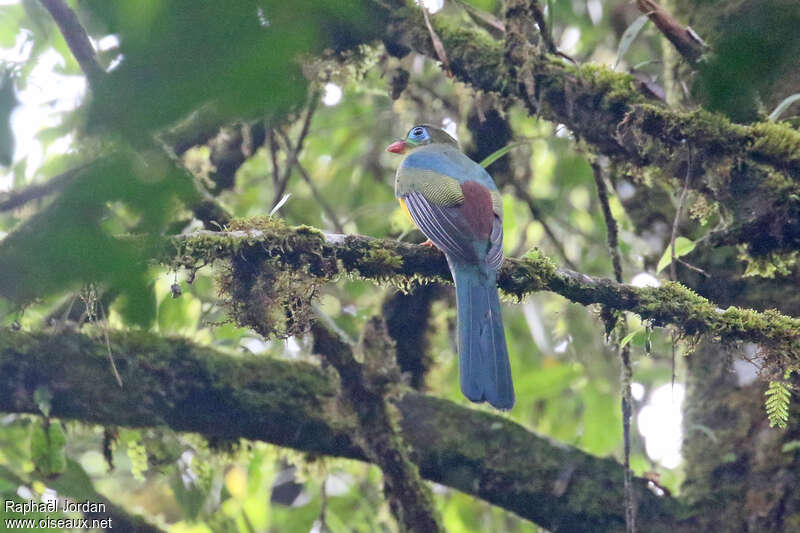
629 36
48 442
11 15
777 403
683 246
497 154
629 337
335 524
137 454
42 396
791 446
783 106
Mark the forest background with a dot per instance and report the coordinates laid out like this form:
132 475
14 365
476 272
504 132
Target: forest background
214 315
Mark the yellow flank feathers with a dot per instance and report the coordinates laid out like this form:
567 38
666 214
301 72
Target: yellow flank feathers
403 205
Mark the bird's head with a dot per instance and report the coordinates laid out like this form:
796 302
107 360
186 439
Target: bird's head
421 135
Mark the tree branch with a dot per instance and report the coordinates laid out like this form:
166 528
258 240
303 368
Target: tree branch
684 39
326 256
365 386
76 37
293 152
606 109
294 404
579 96
315 192
18 197
612 321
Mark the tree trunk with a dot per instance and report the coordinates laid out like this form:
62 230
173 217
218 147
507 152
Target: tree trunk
737 471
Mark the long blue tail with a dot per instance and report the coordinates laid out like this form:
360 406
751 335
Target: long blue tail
483 357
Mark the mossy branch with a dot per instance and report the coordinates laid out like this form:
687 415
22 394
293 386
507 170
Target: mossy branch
366 387
607 109
194 388
308 252
579 95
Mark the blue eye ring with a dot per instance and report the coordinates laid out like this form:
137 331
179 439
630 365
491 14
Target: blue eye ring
418 133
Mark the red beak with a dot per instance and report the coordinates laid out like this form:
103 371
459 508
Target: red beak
397 147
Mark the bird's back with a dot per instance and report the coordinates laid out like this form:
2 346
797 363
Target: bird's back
447 161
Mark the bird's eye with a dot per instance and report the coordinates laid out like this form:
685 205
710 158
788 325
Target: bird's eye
417 132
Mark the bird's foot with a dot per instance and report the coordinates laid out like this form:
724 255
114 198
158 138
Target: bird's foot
428 243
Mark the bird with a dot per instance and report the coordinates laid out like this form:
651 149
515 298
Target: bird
457 205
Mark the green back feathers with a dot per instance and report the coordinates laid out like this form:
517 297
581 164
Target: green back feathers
435 187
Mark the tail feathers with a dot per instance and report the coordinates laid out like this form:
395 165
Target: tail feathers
483 357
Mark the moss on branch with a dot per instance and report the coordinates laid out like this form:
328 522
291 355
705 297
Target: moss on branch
608 109
270 246
577 94
194 388
366 387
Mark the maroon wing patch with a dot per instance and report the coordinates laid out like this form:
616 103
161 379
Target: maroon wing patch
461 231
477 208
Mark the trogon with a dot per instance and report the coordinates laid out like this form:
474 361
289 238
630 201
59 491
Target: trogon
456 204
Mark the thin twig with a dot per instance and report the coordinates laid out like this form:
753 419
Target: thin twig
320 199
437 42
692 267
674 340
318 196
273 153
68 310
108 346
487 18
684 39
611 224
627 408
76 37
673 263
323 495
313 100
538 16
675 222
626 373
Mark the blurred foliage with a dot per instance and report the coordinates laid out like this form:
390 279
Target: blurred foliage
210 49
75 232
753 49
251 60
8 101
